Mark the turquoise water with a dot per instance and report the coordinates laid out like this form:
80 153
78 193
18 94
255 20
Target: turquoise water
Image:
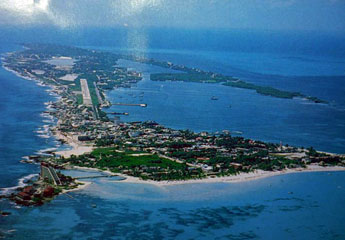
294 206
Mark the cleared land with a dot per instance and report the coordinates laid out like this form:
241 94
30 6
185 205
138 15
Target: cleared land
86 93
69 77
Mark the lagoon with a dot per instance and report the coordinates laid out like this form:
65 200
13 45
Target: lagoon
185 105
294 206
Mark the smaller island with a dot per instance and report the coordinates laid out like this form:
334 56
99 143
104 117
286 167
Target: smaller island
145 151
205 77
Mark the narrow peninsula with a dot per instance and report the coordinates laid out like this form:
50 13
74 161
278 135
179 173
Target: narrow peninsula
145 150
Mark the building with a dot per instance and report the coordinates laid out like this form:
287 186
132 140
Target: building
49 174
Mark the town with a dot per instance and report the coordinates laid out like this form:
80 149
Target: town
146 150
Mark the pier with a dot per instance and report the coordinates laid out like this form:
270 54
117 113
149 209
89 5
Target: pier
97 176
119 113
130 104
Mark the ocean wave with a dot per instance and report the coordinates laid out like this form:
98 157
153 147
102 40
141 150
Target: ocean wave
47 121
47 116
45 136
22 182
45 151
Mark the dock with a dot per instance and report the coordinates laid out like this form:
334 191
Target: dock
97 176
119 113
130 104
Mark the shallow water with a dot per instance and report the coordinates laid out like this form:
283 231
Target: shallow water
294 206
299 206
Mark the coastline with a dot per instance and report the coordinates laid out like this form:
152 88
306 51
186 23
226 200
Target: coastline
81 186
78 149
239 178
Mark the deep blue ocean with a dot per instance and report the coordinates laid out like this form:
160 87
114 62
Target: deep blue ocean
295 206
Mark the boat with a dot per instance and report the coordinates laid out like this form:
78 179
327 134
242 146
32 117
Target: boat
214 98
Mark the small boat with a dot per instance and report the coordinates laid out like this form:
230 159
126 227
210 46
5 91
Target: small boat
214 98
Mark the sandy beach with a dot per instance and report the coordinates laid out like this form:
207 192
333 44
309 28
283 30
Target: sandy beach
77 149
80 187
242 177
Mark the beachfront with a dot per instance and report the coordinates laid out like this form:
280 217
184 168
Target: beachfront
170 156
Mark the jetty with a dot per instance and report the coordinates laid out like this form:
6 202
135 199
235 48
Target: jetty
97 176
130 104
119 113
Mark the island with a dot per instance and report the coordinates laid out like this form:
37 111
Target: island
232 82
146 151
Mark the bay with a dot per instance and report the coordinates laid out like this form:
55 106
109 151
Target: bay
294 206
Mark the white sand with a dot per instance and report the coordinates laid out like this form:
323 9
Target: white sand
242 177
77 148
80 187
69 77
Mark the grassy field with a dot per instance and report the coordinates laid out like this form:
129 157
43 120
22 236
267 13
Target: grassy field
110 158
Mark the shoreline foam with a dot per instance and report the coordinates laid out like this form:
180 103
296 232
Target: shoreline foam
78 149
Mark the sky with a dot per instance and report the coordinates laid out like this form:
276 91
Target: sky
305 15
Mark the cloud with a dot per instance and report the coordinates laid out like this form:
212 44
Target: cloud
25 8
23 11
74 13
253 14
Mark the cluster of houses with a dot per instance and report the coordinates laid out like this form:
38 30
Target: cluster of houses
78 122
196 149
49 184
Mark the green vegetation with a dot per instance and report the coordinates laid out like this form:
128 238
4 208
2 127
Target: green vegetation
264 90
270 91
138 164
109 157
93 93
207 77
79 99
159 153
190 77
